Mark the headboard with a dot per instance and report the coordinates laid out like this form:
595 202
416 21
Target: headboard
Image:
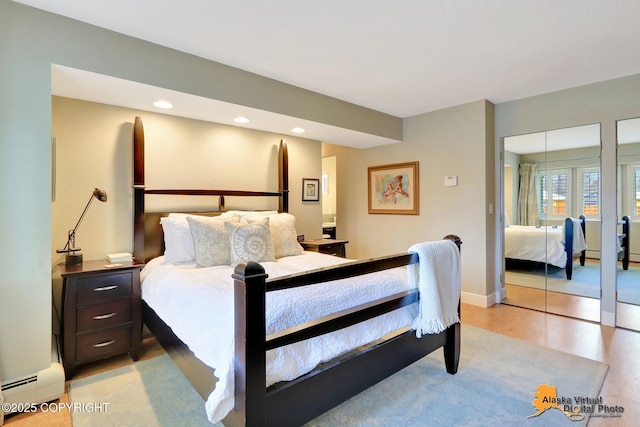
148 241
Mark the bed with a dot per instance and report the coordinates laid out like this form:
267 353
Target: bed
300 397
554 245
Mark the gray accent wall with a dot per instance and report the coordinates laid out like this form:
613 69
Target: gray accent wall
454 141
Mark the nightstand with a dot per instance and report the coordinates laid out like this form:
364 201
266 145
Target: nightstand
101 312
326 246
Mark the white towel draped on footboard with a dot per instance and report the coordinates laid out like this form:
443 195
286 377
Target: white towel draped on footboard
438 278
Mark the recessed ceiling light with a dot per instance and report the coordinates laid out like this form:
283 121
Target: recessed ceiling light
241 119
297 130
163 104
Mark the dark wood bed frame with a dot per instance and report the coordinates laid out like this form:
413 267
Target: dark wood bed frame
625 241
294 402
624 238
568 243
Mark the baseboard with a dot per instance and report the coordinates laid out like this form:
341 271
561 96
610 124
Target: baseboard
484 301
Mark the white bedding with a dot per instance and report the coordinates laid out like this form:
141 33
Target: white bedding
187 297
541 244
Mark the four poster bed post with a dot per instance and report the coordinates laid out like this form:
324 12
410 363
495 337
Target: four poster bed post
288 403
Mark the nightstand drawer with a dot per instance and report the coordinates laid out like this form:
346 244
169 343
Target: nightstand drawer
104 287
335 250
101 314
105 315
103 344
326 246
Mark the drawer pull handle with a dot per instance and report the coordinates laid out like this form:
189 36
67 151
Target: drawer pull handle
104 316
106 288
104 344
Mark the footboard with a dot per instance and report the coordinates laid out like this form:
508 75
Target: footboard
296 402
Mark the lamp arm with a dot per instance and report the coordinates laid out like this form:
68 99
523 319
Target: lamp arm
71 241
81 217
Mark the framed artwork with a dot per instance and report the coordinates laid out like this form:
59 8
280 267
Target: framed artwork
393 189
310 190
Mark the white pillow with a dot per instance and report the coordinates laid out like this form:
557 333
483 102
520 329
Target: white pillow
284 235
178 243
506 220
250 241
210 240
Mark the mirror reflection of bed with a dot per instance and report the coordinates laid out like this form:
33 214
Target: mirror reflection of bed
551 179
628 280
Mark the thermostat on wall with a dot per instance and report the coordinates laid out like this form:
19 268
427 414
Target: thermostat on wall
451 181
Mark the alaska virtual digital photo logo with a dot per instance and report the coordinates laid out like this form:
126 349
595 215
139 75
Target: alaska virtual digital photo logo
575 407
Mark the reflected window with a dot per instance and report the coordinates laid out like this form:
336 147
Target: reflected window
590 192
554 193
635 196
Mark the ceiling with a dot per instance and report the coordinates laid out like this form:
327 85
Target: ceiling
402 58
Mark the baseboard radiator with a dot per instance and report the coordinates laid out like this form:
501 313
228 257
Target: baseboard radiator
43 386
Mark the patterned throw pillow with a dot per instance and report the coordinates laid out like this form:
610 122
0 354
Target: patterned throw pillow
250 241
210 240
284 235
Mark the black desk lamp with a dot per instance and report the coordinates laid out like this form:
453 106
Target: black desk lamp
73 254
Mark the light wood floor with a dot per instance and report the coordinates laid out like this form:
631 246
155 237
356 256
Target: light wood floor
615 346
627 315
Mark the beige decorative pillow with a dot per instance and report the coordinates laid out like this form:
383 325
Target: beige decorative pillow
284 235
210 240
250 241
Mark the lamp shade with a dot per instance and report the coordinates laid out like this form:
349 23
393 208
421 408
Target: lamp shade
100 195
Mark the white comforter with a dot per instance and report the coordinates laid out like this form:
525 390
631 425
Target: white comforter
543 244
187 297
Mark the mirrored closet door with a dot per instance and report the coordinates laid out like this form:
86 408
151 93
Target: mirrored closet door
552 221
628 270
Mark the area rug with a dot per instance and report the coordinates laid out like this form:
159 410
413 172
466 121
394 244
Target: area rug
147 393
585 281
495 385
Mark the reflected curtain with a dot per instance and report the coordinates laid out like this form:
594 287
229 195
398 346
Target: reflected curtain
527 195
